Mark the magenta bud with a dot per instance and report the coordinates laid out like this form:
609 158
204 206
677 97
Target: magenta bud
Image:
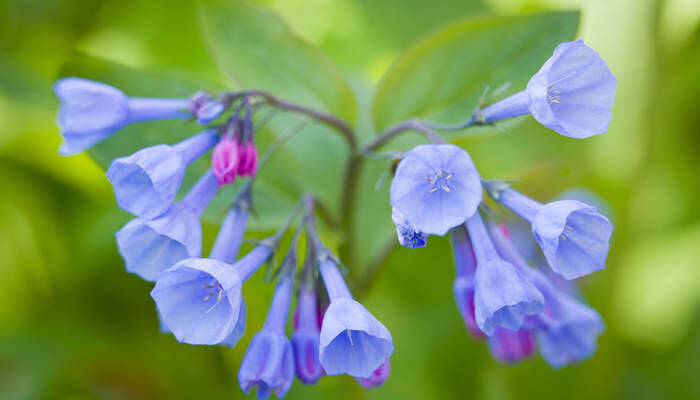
226 160
378 377
248 164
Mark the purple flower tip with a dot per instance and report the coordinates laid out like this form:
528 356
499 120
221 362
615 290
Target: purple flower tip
378 377
512 346
248 164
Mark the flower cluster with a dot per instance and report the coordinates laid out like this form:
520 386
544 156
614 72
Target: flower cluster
199 299
436 189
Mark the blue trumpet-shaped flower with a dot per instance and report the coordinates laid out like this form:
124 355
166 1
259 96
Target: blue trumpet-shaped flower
353 341
502 296
149 246
573 236
199 299
436 187
269 361
306 336
567 330
145 183
406 232
91 112
463 288
378 377
512 346
571 94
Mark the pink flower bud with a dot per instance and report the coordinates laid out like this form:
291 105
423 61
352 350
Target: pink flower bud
248 164
226 160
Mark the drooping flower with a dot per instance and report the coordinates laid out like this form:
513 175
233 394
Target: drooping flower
463 288
92 111
573 236
305 339
405 231
269 361
571 94
248 164
502 296
146 183
512 346
436 187
378 377
199 299
149 246
353 341
225 159
567 330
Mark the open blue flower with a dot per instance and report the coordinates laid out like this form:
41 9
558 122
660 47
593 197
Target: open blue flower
92 111
306 336
269 361
502 296
149 246
146 183
405 231
571 94
436 187
573 236
200 300
353 341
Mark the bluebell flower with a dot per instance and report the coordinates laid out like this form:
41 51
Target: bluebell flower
306 336
149 246
571 94
200 299
502 296
146 183
269 361
512 346
405 231
436 187
573 236
378 377
92 111
353 341
463 287
567 330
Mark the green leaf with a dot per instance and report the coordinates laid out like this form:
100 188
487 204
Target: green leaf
443 75
257 50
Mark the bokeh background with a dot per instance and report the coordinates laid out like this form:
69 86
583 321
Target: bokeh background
75 325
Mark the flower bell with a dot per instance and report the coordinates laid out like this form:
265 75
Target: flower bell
353 341
269 361
573 236
146 182
502 296
571 94
92 111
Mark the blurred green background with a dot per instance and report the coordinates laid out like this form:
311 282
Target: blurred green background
75 325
